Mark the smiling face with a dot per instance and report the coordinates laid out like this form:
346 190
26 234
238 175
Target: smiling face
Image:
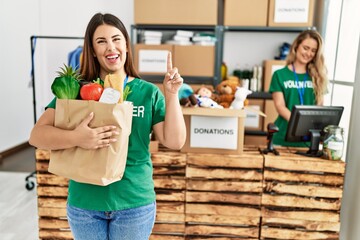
306 50
110 50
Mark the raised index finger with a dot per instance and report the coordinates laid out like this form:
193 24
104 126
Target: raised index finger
169 62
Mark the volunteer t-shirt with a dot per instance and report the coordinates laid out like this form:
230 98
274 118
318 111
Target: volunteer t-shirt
136 188
283 80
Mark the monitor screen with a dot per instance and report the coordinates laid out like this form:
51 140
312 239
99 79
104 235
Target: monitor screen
307 123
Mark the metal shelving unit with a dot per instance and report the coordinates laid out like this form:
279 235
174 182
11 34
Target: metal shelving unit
216 30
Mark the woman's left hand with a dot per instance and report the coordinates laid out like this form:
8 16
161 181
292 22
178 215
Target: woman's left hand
173 80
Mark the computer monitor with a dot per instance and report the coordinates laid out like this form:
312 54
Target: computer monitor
308 122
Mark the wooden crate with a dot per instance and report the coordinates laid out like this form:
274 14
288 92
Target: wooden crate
301 198
52 192
223 195
170 216
169 179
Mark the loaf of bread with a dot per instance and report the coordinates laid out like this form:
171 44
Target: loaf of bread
116 82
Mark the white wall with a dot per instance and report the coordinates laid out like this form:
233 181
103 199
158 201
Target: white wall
243 51
19 20
350 209
16 25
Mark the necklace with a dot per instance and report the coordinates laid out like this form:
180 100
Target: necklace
300 87
125 80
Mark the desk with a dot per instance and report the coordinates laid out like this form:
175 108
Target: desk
247 196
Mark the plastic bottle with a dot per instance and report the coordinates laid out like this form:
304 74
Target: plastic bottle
224 70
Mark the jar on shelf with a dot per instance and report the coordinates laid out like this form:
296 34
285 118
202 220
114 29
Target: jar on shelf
333 144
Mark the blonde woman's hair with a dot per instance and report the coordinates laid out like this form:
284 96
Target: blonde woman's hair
316 68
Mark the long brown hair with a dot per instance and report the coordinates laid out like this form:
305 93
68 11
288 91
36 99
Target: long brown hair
90 67
316 68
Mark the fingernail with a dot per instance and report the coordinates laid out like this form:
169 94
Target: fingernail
116 133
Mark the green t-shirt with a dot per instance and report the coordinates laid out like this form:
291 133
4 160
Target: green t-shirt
283 80
136 188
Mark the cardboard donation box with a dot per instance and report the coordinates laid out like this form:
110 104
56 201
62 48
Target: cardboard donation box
254 120
95 166
214 130
294 13
270 66
194 60
246 13
151 59
180 12
271 113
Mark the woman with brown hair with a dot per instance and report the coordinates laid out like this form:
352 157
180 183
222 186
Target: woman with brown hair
126 209
302 81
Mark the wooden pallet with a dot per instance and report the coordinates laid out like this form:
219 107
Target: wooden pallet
223 196
52 192
301 198
170 187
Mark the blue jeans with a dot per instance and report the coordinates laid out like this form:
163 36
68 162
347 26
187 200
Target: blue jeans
128 224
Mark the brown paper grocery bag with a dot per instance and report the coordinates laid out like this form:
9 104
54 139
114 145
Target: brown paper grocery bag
99 166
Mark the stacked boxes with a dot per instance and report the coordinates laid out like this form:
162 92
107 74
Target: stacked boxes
246 13
272 13
284 13
193 60
176 12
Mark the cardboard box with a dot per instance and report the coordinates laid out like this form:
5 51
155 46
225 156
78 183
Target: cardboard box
151 59
270 66
194 60
285 13
246 13
271 113
180 12
212 130
254 140
253 120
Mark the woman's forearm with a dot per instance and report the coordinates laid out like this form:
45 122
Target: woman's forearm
174 125
51 138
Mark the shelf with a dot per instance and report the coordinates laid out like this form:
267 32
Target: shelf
215 29
175 27
260 95
255 133
265 29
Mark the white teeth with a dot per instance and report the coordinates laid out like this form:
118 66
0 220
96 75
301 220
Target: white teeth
112 57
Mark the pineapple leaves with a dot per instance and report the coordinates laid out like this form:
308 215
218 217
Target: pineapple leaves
66 85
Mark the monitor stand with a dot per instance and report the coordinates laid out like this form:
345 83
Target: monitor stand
314 145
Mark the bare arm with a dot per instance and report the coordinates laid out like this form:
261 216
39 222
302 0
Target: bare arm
45 135
280 106
320 102
172 132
